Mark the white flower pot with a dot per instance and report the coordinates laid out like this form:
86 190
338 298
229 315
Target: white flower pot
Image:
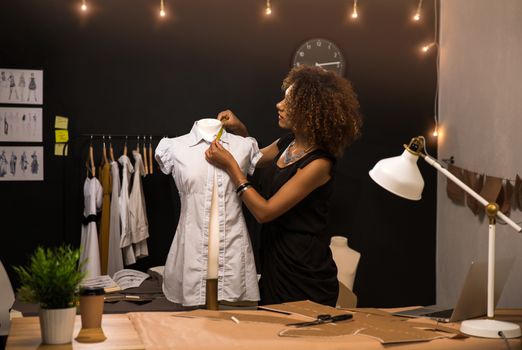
57 325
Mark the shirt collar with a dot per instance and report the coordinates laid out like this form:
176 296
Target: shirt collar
197 136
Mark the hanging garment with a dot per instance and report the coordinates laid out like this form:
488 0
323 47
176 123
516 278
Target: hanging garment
139 225
126 239
115 260
93 194
105 179
186 267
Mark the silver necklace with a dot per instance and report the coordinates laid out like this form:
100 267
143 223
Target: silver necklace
289 157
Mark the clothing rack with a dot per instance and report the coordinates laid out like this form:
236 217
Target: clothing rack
123 136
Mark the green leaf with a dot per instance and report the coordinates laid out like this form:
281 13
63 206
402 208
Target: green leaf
52 277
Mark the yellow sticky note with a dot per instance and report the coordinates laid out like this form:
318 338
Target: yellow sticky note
61 122
60 149
62 135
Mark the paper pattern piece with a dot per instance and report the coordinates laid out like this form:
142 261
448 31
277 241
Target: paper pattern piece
241 317
20 124
61 149
61 122
518 192
455 193
506 197
21 86
475 182
491 189
21 163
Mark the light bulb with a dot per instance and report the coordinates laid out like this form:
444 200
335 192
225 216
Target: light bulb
268 9
354 11
162 13
416 17
426 48
435 132
84 6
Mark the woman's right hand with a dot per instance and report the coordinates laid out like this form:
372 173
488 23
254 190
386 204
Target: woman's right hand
232 123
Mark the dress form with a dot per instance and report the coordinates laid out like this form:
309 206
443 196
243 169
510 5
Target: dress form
209 129
346 260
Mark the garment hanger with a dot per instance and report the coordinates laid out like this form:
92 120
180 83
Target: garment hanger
151 168
111 150
138 144
125 146
91 160
145 163
105 160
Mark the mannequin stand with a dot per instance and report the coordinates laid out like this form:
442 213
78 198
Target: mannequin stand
211 296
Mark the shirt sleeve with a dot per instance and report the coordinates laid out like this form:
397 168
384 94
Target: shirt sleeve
255 155
163 155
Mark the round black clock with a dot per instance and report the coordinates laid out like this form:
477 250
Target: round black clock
320 53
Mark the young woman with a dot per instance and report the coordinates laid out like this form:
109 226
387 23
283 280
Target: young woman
321 111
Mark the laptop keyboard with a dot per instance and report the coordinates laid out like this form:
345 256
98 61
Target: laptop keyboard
440 314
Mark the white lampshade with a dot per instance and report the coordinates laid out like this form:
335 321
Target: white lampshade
399 175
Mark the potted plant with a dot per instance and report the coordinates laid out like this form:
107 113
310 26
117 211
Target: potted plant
51 279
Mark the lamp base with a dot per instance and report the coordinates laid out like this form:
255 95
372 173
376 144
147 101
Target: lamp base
490 328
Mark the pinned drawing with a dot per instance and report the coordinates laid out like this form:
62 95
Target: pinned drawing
21 86
20 124
15 165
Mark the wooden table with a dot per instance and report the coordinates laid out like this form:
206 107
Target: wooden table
161 330
121 335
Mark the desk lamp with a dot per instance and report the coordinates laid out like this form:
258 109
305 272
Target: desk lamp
401 176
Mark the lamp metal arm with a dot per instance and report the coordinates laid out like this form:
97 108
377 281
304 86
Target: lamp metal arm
480 199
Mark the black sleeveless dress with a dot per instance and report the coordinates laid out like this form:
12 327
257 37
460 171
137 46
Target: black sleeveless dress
296 261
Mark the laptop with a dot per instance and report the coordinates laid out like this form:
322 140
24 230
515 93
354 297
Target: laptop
472 301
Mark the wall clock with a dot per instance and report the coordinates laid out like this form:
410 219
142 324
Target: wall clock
320 53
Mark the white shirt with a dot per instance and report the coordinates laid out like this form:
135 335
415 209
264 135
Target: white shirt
126 239
139 225
93 194
185 273
115 261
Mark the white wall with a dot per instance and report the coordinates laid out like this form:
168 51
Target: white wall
481 115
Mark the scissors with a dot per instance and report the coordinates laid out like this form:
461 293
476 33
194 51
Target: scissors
323 318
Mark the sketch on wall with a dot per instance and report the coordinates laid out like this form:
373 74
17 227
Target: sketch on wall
20 124
21 86
21 164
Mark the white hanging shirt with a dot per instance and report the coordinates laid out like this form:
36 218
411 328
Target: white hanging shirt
126 239
93 195
184 278
139 225
115 260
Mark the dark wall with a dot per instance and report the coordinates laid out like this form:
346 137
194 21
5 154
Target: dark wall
119 69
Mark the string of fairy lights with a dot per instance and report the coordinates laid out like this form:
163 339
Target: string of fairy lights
354 15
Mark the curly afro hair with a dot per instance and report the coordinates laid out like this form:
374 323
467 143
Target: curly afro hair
323 107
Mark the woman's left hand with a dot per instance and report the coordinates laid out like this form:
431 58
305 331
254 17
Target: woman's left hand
218 156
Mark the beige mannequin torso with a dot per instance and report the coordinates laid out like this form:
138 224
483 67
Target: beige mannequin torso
346 260
209 128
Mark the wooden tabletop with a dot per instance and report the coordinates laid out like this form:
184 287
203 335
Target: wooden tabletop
121 335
